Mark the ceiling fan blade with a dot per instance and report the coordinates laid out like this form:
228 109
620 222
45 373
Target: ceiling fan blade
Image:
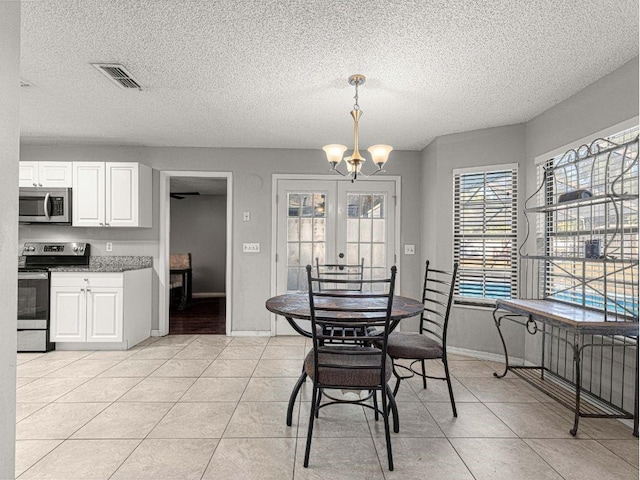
181 195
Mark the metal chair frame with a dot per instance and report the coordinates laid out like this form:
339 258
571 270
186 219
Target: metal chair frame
436 292
327 319
330 272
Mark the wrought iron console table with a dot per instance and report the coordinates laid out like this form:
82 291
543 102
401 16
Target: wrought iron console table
579 325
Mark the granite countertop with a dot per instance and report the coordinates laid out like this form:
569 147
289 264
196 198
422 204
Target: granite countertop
110 264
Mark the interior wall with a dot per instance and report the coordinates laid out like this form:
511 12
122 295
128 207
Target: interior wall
470 328
9 154
252 170
609 101
199 227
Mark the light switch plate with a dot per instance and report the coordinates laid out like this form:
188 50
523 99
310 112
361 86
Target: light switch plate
251 247
409 249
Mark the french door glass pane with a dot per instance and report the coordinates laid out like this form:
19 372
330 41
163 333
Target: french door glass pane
306 235
366 232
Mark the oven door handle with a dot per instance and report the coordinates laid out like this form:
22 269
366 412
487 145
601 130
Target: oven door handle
33 275
46 206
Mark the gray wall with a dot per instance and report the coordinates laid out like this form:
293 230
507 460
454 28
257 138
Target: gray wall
199 226
609 101
9 153
470 328
252 170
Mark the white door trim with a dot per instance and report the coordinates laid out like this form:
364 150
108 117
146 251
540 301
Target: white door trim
274 221
165 231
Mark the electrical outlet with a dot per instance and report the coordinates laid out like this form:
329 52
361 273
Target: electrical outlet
246 216
109 247
409 249
251 247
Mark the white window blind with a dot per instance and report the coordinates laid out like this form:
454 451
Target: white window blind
485 228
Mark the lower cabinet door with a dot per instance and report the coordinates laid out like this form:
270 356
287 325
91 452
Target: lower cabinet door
104 314
68 317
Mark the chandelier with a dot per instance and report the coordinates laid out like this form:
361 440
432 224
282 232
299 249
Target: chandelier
379 153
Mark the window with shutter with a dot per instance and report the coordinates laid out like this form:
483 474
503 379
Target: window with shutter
485 229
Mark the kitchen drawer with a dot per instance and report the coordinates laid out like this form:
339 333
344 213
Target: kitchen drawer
32 340
77 279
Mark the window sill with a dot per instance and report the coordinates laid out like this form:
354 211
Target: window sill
475 304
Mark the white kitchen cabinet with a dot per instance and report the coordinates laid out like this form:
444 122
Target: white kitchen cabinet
111 194
100 310
46 174
68 307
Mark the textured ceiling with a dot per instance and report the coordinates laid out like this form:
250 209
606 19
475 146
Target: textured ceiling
272 73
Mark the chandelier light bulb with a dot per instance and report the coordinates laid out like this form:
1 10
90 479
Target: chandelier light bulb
380 154
334 153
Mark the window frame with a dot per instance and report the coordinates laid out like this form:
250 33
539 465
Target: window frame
513 223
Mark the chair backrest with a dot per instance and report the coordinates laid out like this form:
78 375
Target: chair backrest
333 311
437 298
330 272
180 261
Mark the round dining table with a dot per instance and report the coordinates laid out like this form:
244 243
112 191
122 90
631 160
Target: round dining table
295 306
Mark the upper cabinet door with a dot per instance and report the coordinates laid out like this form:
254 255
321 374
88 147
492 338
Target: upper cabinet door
122 194
28 176
46 174
88 194
55 174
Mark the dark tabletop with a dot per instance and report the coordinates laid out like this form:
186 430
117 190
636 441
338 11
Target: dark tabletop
296 306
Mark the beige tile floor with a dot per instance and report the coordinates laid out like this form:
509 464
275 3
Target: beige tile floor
213 407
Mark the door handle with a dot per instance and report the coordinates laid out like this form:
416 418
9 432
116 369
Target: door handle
46 206
341 255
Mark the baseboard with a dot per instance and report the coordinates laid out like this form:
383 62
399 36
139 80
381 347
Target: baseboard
155 333
251 333
492 357
209 295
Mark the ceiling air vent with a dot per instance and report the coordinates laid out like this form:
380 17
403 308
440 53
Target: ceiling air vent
117 74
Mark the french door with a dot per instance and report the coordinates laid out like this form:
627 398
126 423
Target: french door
334 221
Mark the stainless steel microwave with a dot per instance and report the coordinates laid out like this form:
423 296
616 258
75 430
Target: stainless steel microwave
45 205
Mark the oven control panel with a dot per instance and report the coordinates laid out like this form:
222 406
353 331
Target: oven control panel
62 249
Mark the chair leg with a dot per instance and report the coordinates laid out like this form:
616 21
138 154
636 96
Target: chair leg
376 414
448 376
394 410
310 429
317 407
424 375
294 395
398 378
387 434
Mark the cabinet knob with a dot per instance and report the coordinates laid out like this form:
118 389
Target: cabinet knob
88 289
101 224
39 184
82 289
35 184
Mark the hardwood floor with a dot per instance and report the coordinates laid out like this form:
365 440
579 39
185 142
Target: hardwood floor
201 316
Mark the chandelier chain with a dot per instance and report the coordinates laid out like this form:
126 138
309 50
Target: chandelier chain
356 107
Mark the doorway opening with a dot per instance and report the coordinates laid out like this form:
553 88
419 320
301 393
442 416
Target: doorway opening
195 253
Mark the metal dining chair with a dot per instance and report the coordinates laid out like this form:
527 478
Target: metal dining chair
356 366
341 271
430 343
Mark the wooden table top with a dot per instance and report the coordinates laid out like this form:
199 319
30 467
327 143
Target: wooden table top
296 305
568 315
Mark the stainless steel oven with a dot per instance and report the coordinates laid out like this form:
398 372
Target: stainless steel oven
33 311
45 205
33 289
